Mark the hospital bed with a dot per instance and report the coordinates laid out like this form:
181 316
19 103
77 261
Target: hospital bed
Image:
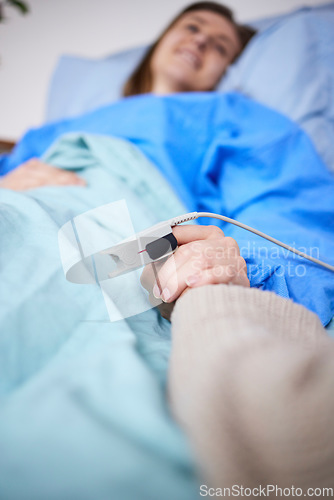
83 406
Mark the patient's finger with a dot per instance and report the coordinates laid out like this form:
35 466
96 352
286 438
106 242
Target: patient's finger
45 174
196 256
66 178
220 271
196 244
35 174
183 234
192 232
150 274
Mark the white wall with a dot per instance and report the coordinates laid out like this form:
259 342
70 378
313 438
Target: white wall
30 45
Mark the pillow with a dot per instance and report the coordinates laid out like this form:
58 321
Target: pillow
81 84
290 68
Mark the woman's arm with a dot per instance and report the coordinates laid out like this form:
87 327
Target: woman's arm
251 374
251 381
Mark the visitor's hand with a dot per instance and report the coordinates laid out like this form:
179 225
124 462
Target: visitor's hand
204 256
34 173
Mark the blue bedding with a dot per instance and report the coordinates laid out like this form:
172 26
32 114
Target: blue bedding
83 411
225 153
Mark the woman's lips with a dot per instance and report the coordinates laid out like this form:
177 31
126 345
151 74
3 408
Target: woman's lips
190 57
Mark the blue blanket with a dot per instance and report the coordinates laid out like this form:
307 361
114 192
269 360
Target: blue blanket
224 153
83 413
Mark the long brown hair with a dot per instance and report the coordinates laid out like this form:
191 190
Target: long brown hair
140 82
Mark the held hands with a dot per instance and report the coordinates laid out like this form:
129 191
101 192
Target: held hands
204 256
34 173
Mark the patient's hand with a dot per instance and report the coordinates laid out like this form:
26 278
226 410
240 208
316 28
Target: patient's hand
34 173
205 256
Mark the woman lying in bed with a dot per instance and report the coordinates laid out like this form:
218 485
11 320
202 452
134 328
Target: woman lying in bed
191 55
238 384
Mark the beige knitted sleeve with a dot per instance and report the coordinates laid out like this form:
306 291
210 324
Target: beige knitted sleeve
252 383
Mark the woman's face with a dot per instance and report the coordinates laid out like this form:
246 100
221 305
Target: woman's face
194 53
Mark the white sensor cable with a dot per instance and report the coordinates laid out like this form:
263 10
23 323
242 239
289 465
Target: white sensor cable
195 215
